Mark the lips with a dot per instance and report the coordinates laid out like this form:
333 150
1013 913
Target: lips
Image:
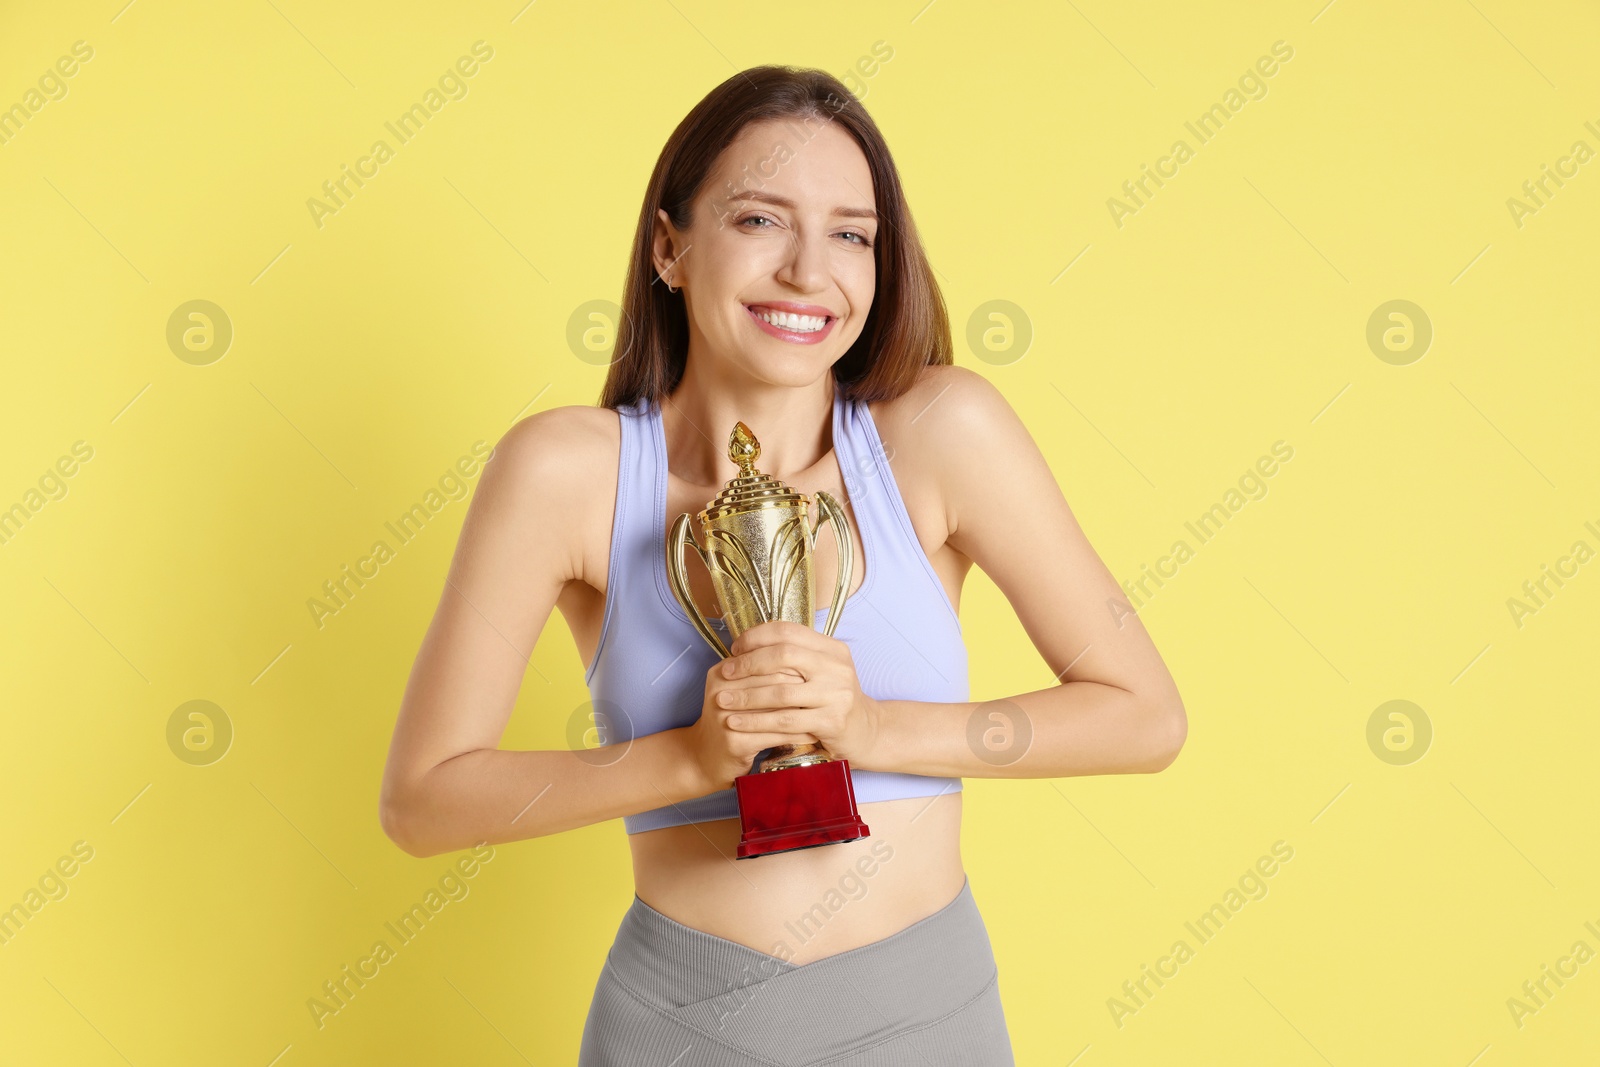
795 309
792 336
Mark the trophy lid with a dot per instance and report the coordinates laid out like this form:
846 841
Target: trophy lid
750 489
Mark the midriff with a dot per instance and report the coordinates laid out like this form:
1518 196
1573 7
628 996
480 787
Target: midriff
910 866
804 905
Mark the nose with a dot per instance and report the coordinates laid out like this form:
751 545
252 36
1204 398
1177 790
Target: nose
806 268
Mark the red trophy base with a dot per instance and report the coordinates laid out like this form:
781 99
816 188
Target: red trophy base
797 807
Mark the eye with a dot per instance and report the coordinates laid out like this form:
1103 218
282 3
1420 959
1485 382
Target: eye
861 239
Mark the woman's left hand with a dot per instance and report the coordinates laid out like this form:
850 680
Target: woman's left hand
827 701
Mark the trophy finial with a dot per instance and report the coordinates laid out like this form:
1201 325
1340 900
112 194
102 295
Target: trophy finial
743 448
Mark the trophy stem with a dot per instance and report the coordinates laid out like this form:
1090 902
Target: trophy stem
786 756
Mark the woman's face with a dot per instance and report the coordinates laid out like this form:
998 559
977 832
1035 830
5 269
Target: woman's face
784 225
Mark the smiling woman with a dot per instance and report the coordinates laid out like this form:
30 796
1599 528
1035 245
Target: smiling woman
776 279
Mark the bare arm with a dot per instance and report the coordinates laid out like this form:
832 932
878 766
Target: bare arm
1116 708
446 784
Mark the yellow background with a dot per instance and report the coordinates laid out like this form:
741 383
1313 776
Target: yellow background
1228 313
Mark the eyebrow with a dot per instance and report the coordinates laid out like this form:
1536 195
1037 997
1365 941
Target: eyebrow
783 201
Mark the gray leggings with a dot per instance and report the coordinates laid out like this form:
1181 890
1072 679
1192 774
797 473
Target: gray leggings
673 996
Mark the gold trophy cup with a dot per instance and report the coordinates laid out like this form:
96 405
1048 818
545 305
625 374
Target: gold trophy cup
759 546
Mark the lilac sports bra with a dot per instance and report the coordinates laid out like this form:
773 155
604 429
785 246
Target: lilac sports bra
650 664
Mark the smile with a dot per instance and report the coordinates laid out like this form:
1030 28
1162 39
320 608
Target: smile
788 326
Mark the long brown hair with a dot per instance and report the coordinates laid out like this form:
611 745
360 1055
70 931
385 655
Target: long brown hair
907 327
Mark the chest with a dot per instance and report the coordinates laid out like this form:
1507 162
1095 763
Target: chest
582 601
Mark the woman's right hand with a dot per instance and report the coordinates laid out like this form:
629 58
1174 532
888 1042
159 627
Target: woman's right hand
723 754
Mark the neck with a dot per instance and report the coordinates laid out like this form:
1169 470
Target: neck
794 425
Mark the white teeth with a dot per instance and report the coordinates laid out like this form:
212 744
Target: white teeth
785 320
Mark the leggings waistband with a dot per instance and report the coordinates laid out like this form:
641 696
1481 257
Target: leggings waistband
915 976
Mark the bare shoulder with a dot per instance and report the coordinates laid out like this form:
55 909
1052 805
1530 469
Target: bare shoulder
944 399
561 450
951 432
950 412
556 462
572 436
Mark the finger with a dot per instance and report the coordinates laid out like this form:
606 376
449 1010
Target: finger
779 720
750 681
771 659
774 632
757 697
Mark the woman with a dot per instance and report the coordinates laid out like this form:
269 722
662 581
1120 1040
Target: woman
776 279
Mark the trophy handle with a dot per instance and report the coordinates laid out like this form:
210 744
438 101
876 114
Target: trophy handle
678 578
828 508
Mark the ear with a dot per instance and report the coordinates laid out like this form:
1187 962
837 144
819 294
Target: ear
663 245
